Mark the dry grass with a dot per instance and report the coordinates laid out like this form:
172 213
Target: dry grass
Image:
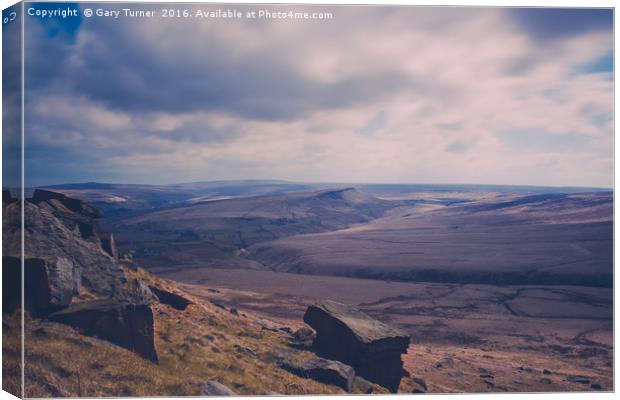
11 354
193 346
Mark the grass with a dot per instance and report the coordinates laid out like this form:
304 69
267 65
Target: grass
199 344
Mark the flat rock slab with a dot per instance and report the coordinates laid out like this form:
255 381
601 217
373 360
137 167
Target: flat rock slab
348 335
122 323
321 370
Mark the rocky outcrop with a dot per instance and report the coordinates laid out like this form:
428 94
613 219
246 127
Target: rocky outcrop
64 249
322 370
214 388
75 205
371 347
58 227
125 324
172 299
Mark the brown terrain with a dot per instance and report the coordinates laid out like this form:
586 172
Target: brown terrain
498 290
465 338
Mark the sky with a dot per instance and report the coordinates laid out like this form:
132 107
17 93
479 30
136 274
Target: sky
376 94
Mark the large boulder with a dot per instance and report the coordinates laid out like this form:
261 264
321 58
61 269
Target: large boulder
322 370
371 347
49 284
125 324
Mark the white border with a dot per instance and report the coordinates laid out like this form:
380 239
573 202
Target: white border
482 3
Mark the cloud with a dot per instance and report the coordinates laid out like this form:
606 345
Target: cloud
539 140
376 123
459 146
378 94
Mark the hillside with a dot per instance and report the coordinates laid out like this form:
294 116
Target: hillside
115 199
98 325
200 344
519 239
217 232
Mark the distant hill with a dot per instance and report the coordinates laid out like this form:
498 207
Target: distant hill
550 239
125 199
216 229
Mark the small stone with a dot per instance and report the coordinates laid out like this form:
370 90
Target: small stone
578 379
419 385
267 325
218 305
214 388
361 385
322 370
245 350
420 382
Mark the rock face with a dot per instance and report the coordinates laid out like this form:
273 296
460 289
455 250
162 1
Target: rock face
64 250
326 371
58 227
172 299
11 284
214 388
371 347
125 324
50 284
140 292
7 197
109 245
75 205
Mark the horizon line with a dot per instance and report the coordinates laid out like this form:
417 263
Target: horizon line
284 181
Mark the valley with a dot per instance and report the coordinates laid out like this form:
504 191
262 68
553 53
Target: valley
500 288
